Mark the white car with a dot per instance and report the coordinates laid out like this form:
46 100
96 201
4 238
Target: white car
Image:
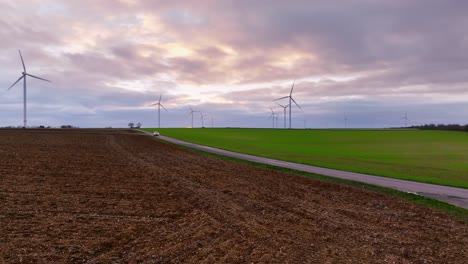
155 134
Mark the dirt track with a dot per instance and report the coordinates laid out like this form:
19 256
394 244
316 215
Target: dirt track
89 196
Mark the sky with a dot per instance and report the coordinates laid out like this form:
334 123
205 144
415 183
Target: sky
110 60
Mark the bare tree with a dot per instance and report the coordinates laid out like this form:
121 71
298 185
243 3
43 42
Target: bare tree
131 125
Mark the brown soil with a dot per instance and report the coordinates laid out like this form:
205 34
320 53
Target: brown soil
88 196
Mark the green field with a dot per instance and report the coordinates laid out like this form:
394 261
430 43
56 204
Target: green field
439 157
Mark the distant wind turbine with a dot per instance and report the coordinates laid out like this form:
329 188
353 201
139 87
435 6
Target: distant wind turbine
291 99
406 119
23 76
159 110
273 116
191 113
345 118
284 114
202 119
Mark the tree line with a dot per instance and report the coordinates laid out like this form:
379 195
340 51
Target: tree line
133 125
451 127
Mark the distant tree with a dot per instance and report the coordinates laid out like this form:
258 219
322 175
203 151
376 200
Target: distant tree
131 125
138 125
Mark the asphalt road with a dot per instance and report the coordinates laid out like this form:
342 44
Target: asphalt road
451 195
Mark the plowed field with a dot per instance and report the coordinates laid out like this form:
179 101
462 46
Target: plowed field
97 196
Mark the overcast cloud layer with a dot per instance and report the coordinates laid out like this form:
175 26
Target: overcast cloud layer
110 59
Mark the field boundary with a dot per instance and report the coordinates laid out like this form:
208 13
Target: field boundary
451 195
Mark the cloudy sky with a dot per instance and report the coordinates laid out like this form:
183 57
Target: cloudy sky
108 60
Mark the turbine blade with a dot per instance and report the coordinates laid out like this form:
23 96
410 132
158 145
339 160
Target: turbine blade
22 61
160 96
37 77
292 87
22 76
296 103
284 106
163 107
281 98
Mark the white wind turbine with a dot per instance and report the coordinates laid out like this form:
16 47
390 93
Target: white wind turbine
345 118
273 116
284 114
202 119
191 113
159 110
406 119
291 99
23 76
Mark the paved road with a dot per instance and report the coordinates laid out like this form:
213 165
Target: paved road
452 195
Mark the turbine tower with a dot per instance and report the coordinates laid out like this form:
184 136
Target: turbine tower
191 113
284 114
23 76
291 99
159 110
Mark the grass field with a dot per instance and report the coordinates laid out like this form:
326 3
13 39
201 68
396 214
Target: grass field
439 157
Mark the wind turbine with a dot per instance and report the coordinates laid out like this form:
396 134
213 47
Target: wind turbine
202 118
159 110
291 99
23 76
284 109
406 119
345 118
272 116
191 113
